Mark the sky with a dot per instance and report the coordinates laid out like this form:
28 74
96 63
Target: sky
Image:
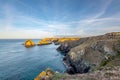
47 18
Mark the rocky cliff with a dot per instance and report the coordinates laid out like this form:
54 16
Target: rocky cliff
89 53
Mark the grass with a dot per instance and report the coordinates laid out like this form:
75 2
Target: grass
105 62
111 60
57 76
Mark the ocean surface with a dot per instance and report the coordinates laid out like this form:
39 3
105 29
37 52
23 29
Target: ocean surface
20 63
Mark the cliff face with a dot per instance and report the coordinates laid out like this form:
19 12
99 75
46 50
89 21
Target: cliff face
89 53
66 46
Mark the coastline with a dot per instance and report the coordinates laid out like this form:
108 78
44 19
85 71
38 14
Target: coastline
89 54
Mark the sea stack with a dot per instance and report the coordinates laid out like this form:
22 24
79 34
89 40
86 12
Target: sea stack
29 43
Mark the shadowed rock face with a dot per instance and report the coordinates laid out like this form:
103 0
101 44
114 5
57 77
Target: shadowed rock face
66 46
87 53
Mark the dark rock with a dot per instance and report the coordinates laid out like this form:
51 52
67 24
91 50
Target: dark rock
70 70
66 46
56 43
76 66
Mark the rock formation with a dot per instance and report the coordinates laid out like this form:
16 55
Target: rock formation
96 57
46 41
66 46
67 39
45 75
29 43
56 41
86 54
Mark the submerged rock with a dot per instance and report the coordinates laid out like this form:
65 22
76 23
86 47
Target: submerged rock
29 43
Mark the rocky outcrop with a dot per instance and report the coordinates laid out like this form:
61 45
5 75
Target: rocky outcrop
45 41
66 46
113 35
45 75
89 53
66 39
29 43
96 57
56 41
109 73
61 40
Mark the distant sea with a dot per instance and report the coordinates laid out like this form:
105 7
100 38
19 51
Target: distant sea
20 63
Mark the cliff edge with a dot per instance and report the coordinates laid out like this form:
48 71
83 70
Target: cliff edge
88 54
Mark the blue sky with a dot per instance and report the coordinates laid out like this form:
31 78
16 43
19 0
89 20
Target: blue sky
47 18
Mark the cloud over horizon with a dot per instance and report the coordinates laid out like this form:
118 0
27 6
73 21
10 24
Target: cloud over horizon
38 18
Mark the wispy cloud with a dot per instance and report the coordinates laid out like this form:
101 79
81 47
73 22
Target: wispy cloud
103 9
34 28
98 26
95 25
19 25
8 20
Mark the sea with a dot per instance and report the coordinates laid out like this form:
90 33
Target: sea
20 63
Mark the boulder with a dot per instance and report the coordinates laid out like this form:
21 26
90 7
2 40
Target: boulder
45 75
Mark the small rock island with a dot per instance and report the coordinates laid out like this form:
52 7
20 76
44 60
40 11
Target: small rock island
29 43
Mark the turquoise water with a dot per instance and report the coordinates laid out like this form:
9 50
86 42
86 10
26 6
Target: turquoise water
20 63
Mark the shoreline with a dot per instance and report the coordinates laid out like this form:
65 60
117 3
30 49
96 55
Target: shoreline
107 40
89 54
